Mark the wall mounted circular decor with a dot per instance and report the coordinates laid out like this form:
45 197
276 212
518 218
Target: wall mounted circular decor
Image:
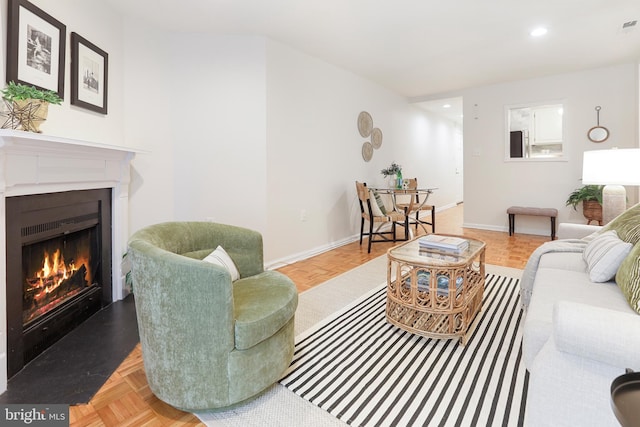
376 138
367 151
365 124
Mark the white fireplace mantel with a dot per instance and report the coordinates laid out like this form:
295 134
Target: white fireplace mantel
32 163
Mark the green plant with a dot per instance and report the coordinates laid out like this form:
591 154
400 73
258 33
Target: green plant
585 193
18 91
391 170
126 270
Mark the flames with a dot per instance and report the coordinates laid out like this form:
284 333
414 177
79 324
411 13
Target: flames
54 272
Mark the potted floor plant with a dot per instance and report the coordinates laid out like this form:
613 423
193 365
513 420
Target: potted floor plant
591 198
28 106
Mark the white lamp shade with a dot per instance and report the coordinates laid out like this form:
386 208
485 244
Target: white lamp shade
616 166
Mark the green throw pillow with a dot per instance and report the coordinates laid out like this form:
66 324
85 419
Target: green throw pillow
627 225
628 278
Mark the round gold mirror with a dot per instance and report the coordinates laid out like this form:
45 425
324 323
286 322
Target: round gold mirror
598 133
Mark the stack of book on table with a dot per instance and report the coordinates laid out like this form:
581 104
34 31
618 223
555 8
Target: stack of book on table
443 243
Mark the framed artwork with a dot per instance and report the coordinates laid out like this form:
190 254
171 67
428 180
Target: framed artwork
35 47
89 75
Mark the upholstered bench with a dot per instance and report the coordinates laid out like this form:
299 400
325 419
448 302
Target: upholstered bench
520 210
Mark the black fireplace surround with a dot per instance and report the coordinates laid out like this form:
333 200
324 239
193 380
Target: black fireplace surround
74 226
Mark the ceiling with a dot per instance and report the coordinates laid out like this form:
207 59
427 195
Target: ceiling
422 49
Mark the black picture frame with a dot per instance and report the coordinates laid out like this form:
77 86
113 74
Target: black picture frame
36 44
89 75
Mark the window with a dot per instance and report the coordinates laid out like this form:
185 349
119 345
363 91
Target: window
535 132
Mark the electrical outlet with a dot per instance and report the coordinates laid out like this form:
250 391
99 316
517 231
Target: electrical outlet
303 215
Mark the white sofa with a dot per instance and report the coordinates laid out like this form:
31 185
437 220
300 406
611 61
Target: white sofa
578 336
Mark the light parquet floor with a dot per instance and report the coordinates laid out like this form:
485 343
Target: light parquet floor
126 400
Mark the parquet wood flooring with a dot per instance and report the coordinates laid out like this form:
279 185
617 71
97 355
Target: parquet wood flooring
126 400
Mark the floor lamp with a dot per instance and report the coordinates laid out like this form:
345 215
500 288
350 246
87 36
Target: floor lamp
613 169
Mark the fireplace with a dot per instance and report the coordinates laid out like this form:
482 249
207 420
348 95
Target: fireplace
58 267
41 165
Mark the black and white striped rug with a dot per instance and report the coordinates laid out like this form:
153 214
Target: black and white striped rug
367 372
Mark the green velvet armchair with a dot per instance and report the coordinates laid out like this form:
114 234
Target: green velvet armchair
208 342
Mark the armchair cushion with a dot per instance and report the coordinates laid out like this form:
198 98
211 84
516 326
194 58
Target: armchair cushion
261 311
604 254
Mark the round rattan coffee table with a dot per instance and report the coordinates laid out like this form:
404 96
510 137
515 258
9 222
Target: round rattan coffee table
435 293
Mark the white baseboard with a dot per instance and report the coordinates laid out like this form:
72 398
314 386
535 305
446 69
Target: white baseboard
520 230
485 227
278 263
310 253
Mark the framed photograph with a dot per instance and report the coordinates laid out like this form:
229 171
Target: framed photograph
89 75
35 47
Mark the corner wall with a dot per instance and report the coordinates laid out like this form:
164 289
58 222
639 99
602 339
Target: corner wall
492 184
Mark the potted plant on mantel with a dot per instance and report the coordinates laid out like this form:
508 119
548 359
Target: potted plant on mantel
591 198
28 106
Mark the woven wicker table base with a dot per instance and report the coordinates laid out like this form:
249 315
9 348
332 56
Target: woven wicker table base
435 294
433 324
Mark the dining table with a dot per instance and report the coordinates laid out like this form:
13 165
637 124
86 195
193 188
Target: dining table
409 208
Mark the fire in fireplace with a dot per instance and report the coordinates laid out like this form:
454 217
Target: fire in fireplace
55 271
58 267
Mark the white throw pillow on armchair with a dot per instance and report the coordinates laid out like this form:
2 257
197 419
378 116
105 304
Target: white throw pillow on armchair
221 258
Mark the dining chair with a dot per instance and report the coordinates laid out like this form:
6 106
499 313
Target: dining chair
415 206
372 209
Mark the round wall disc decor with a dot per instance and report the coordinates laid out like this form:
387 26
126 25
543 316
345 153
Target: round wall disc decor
365 124
367 151
376 138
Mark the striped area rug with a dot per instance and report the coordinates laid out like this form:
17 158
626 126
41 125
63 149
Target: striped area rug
367 372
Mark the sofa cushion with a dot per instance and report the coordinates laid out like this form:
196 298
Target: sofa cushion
220 257
260 311
572 261
628 278
627 225
557 284
604 254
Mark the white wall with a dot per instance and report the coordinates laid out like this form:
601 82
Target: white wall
148 124
314 150
430 151
492 185
218 120
103 27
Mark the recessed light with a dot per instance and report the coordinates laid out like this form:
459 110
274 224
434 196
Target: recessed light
540 31
446 106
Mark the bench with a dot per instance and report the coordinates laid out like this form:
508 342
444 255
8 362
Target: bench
520 210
